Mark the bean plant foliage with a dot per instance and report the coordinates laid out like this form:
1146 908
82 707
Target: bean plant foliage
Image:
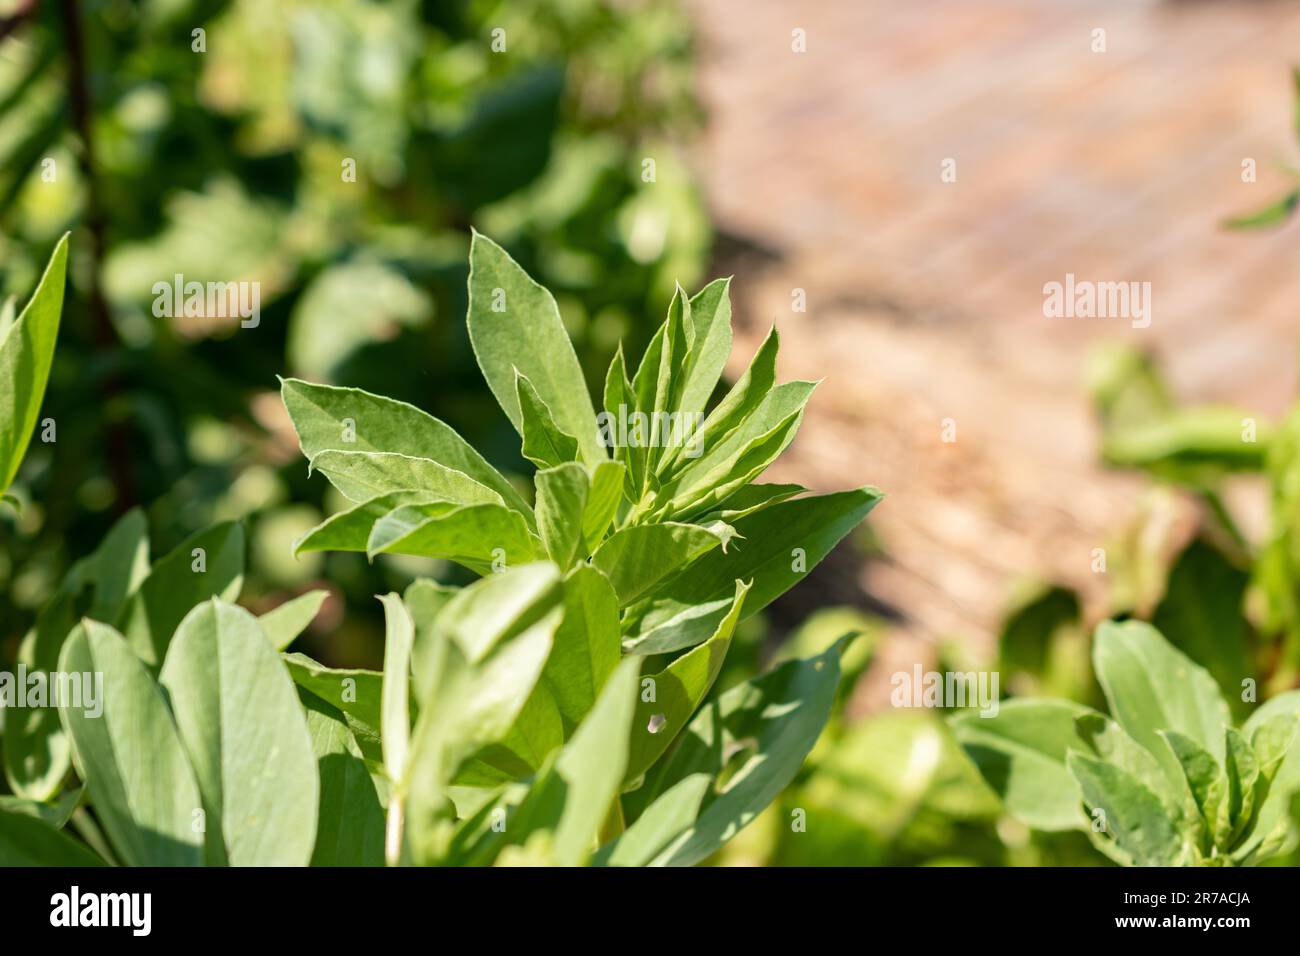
559 710
1167 779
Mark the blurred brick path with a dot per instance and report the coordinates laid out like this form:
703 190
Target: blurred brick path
925 298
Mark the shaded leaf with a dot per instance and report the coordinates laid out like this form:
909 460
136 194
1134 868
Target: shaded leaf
777 547
28 841
1201 613
36 750
678 691
572 798
759 732
143 790
174 585
637 558
350 818
357 693
1021 753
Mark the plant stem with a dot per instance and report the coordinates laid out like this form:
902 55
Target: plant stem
614 824
393 831
119 449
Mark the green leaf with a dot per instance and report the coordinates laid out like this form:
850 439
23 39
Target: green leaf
1205 779
350 824
545 444
395 703
672 814
1027 634
763 728
1021 753
1273 737
731 462
350 530
28 841
710 314
362 475
749 499
620 403
56 814
778 546
1272 740
1107 741
325 417
488 647
1151 686
144 793
36 750
1134 816
679 689
115 569
541 726
574 796
207 564
585 649
617 399
395 719
602 501
538 732
238 716
637 558
357 693
477 536
499 608
283 624
424 600
26 353
562 494
741 402
515 324
478 705
1243 773
1201 613
658 381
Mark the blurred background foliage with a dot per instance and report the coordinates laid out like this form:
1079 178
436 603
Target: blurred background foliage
337 152
227 155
